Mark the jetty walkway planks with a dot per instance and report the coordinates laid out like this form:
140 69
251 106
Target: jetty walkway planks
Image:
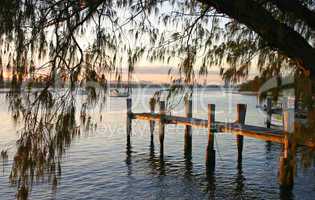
261 133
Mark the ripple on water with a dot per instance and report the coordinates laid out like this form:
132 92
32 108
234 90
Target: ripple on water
99 166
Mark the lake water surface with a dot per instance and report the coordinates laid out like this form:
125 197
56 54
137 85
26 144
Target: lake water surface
99 166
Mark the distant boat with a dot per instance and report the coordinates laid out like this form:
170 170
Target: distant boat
117 93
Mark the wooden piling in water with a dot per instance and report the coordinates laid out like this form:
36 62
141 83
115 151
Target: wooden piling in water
287 162
152 122
162 127
188 129
269 112
129 119
241 114
210 152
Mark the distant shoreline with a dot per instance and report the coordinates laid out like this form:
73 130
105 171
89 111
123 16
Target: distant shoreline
248 93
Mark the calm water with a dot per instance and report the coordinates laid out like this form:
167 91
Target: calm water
98 165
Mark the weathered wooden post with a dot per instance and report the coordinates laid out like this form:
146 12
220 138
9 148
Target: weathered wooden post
152 122
269 112
188 129
210 153
129 119
288 112
162 127
241 113
287 163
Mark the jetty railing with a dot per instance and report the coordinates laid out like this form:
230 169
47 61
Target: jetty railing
238 128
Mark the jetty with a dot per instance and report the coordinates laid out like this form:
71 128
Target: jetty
238 128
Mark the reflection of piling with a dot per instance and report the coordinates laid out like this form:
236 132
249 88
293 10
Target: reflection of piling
188 130
162 127
241 113
129 120
210 153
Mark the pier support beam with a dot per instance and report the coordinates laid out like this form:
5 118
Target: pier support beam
152 122
129 120
162 127
241 113
269 112
210 152
188 129
287 162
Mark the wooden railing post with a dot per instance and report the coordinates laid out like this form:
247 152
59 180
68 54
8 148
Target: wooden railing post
188 129
269 112
162 127
241 115
152 122
129 119
287 162
210 152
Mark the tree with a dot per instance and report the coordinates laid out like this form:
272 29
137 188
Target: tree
261 27
85 40
279 34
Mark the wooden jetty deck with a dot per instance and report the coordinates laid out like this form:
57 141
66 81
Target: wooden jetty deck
262 133
238 128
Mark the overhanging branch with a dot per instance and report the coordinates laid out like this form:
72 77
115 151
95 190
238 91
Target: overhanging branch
277 34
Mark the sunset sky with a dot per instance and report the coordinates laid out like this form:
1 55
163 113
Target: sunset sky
159 74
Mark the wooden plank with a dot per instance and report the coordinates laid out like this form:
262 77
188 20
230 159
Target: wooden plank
261 133
253 133
245 130
201 123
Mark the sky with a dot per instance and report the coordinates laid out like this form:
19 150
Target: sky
159 74
149 72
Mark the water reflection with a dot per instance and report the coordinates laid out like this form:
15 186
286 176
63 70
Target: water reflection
128 157
165 169
286 194
188 163
176 170
49 125
152 152
268 147
211 184
239 179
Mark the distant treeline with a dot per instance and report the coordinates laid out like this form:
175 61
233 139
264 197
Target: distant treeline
41 84
251 85
33 84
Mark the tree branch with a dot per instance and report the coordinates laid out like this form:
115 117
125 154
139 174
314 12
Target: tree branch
296 8
277 34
